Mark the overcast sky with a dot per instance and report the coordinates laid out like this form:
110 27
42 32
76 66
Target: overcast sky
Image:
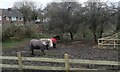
8 4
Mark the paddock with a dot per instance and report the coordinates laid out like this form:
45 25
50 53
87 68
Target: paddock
82 51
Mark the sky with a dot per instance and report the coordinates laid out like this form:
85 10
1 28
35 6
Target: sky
8 4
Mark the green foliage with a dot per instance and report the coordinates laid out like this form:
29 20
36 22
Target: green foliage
18 32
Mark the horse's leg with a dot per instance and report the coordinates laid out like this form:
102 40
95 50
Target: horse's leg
47 47
54 45
32 52
32 49
43 52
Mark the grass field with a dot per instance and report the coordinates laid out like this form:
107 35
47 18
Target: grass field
13 43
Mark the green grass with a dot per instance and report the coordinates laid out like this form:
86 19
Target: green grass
10 43
13 43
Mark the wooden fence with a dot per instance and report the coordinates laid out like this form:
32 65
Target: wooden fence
109 41
66 60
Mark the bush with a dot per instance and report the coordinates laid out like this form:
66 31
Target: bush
17 32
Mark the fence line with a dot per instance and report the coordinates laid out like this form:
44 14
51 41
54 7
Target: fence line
80 61
108 42
66 60
41 67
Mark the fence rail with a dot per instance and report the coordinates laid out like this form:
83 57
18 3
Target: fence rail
41 67
66 60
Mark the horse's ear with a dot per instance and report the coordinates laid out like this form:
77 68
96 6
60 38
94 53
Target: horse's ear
58 37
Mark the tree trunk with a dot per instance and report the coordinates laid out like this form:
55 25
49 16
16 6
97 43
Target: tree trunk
95 37
24 21
100 32
71 35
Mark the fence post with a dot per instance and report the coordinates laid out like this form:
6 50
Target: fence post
19 61
102 42
114 43
98 43
67 67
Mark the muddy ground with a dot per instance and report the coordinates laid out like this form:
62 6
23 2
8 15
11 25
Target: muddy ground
76 50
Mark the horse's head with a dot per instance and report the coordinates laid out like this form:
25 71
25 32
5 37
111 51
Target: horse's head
57 37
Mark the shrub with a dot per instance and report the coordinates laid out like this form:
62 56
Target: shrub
17 32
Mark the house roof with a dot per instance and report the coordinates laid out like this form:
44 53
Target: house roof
11 13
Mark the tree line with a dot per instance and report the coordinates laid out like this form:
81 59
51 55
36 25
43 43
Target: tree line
72 17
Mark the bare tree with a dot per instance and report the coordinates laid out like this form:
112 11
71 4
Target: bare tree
29 10
118 24
66 17
99 17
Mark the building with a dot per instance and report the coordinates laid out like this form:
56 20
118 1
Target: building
9 15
